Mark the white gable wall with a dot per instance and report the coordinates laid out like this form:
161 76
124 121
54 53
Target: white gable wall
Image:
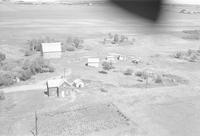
93 64
51 47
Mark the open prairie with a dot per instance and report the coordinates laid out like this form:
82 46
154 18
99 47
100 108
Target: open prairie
150 107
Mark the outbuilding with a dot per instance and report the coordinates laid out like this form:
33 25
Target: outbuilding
121 58
93 62
110 59
78 83
51 50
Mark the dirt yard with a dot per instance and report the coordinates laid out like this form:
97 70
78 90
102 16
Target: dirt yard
165 103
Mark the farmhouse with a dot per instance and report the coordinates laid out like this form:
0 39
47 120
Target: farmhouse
58 87
51 50
93 62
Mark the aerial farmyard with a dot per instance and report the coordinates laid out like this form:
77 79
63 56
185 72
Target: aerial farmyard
89 68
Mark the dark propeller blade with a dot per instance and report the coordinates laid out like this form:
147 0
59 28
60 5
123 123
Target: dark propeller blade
148 9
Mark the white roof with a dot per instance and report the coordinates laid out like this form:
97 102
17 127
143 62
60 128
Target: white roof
110 56
77 81
56 82
51 47
91 60
114 54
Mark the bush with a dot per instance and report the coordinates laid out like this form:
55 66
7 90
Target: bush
191 37
25 75
8 65
182 11
103 90
38 65
142 74
189 52
70 48
2 95
6 78
51 69
22 69
190 55
178 55
110 36
158 79
44 70
198 50
103 72
107 65
128 72
193 58
77 43
26 64
138 73
2 56
72 43
123 38
69 40
116 38
28 53
35 44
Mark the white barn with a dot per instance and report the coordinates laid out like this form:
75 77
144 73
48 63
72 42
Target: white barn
93 62
51 50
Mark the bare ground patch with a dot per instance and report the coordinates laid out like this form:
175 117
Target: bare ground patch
81 120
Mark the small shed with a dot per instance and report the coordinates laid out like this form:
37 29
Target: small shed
51 50
93 62
78 83
58 87
135 60
121 58
110 58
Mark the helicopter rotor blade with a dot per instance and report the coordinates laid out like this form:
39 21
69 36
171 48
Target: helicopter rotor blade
148 9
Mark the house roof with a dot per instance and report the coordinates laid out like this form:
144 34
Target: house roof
51 47
91 60
57 82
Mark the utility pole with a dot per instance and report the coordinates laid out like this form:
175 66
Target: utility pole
36 124
64 73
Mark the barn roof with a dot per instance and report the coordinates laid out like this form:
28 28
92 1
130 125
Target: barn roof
51 47
93 60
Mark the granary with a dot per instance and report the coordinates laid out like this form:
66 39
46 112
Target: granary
121 58
78 83
110 58
51 50
58 87
93 62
